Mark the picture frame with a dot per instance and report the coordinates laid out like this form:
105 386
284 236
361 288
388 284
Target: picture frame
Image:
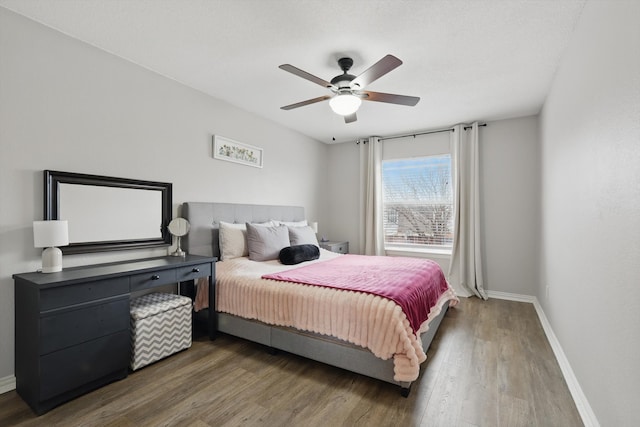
237 152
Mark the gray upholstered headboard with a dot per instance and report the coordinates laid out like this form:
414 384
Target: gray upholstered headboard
205 218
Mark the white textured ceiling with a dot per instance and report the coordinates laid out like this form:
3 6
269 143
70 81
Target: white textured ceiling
466 59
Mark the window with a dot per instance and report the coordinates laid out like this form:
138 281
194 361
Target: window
418 203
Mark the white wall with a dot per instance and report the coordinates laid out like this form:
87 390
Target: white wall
590 257
510 204
343 184
509 180
67 106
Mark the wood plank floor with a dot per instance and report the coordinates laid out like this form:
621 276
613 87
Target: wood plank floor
489 365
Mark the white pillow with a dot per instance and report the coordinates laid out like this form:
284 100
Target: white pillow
302 236
302 223
233 240
265 243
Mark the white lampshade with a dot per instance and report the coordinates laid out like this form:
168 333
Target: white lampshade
345 104
314 227
50 234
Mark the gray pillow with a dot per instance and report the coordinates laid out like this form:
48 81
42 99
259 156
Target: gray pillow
265 243
302 236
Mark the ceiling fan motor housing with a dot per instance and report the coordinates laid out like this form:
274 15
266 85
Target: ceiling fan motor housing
343 80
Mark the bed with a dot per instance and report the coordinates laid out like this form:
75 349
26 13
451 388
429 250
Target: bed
324 344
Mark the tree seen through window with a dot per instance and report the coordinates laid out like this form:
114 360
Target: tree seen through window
418 202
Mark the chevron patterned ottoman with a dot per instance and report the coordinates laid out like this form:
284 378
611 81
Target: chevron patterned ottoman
160 326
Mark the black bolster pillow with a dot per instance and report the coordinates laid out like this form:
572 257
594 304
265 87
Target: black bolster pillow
299 253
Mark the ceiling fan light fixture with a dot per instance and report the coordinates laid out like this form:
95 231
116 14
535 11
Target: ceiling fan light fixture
345 104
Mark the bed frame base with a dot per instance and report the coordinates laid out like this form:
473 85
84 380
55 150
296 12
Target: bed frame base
404 391
320 348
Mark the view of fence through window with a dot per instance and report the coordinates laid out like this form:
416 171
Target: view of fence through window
418 202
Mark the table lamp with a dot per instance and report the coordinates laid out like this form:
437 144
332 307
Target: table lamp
50 235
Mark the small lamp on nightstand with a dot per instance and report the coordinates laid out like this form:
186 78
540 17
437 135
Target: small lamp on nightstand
50 235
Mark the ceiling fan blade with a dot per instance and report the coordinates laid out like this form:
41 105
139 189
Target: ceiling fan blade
350 118
390 98
307 102
376 71
298 72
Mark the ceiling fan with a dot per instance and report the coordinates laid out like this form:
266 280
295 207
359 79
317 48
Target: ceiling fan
348 90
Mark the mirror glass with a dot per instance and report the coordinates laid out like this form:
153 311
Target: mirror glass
81 204
179 227
107 213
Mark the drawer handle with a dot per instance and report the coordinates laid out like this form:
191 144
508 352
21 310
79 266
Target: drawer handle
195 270
155 277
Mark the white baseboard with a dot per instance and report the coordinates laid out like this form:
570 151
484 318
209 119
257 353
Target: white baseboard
511 297
586 412
7 384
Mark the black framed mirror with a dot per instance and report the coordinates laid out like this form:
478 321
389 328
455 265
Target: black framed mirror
108 213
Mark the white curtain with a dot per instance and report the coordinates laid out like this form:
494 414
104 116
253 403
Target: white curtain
371 230
466 256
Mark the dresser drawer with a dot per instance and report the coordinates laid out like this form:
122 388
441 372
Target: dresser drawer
193 272
63 296
66 328
342 248
79 365
152 279
339 247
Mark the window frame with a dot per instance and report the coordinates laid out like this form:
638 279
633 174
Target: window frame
407 247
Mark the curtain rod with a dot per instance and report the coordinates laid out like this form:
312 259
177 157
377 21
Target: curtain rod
417 134
469 127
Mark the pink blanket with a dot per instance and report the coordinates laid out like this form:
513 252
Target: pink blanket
414 284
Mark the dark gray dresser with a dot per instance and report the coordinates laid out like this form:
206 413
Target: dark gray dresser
72 327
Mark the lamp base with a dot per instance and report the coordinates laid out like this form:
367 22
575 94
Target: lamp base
179 252
51 260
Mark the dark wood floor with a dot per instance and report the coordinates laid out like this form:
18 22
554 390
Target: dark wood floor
490 365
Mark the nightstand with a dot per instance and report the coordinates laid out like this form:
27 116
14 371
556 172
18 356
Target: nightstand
339 247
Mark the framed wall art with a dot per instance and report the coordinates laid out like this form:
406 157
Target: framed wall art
237 152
